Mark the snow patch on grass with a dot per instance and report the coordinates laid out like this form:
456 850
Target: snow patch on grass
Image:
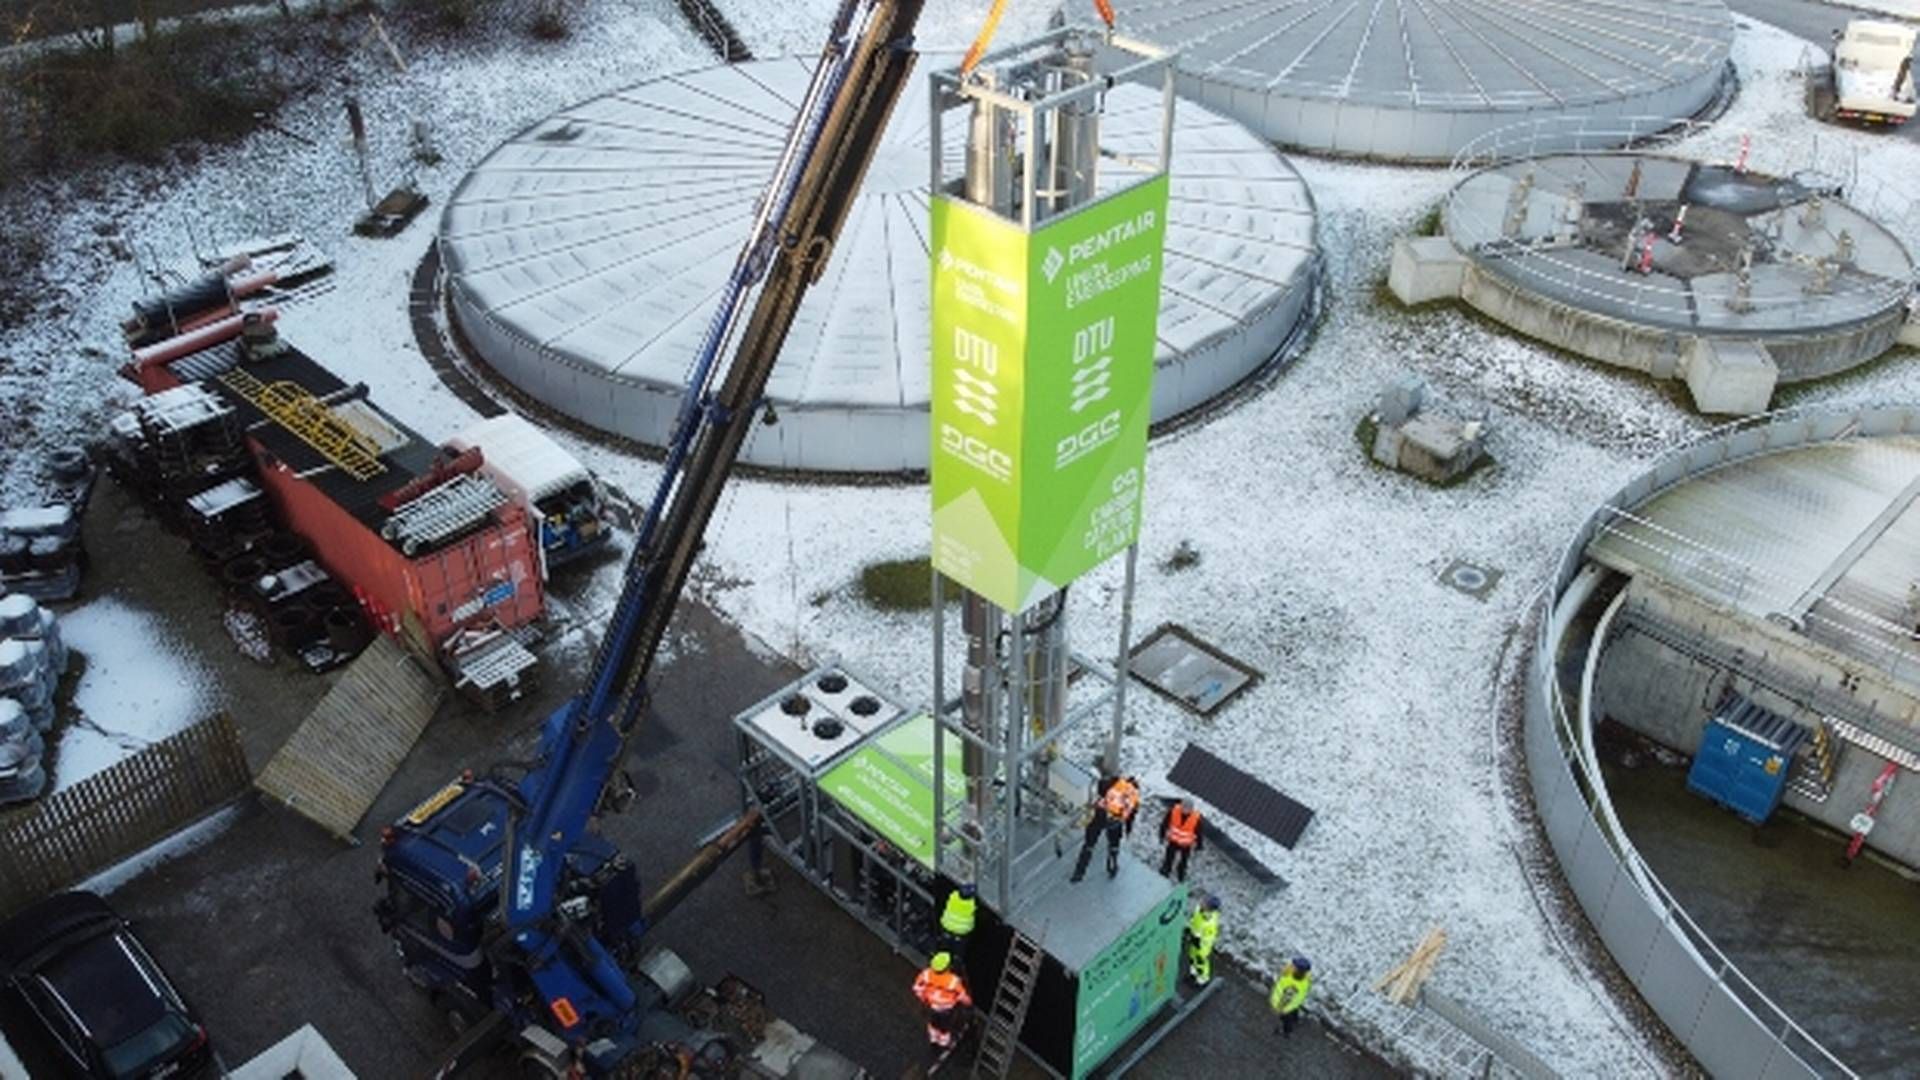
140 686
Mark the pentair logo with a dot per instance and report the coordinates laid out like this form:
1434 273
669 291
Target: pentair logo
1051 265
946 259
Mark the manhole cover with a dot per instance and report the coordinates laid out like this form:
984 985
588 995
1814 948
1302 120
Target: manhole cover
1470 578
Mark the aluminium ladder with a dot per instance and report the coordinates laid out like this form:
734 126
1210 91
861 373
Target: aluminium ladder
1009 1012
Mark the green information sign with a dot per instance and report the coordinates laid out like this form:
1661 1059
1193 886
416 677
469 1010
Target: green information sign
888 783
1128 982
1043 348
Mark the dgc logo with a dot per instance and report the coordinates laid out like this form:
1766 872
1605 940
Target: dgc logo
994 462
1086 440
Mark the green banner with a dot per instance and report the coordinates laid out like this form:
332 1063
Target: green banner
888 783
1043 350
1128 982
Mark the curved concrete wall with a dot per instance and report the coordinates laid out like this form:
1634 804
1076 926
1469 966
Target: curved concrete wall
1657 352
1711 1008
861 439
1429 133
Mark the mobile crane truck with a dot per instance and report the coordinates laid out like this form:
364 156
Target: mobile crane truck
497 898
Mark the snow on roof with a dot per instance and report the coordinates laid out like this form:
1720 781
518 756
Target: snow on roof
523 455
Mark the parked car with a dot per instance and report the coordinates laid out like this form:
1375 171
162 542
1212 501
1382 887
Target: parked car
93 990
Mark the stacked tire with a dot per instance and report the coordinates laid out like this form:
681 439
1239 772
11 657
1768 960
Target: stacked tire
32 659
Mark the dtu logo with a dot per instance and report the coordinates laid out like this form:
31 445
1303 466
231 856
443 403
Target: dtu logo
1090 383
977 397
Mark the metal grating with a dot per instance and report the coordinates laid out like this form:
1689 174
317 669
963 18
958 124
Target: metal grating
1241 796
445 511
1416 79
1182 667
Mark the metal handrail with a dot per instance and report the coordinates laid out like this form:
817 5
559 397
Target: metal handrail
1889 205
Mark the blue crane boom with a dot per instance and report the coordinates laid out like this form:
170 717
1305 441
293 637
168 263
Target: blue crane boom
499 896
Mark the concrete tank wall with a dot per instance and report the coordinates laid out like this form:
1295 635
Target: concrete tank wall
1668 696
1658 352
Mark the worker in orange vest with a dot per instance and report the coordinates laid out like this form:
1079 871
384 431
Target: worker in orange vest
1115 802
945 995
1185 833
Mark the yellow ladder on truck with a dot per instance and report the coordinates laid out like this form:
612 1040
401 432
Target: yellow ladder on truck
293 407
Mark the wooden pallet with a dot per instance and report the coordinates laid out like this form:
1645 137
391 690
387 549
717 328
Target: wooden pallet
346 750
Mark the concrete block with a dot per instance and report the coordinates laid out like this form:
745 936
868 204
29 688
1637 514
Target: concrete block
1438 449
1400 400
1386 446
1730 378
1426 268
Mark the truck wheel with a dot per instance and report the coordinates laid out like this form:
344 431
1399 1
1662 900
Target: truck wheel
536 1065
449 1007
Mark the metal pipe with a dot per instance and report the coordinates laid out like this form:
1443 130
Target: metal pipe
981 693
990 154
938 591
1121 675
1011 762
704 862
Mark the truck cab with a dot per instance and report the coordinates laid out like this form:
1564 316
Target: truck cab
1873 72
440 870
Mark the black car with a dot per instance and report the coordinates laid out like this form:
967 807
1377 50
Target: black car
89 985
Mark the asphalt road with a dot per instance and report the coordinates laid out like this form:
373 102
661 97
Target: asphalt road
268 926
1816 23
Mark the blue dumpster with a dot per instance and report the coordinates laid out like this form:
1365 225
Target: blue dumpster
1745 759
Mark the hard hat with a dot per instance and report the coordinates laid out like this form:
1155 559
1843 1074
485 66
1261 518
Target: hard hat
1211 903
941 961
968 892
1301 964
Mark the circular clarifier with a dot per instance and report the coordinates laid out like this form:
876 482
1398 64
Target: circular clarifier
585 258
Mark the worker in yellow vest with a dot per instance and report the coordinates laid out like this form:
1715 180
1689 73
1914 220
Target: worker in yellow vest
1184 833
1203 929
1290 991
956 920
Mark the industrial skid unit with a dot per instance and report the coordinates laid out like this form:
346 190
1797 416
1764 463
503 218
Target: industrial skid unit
886 807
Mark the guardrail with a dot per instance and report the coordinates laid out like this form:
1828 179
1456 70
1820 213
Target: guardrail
1713 1009
1888 203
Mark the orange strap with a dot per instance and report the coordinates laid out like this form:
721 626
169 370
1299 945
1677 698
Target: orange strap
985 38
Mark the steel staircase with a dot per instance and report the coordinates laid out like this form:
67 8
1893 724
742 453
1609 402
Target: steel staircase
1001 1038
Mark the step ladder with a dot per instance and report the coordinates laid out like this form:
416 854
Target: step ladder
1813 771
1009 1012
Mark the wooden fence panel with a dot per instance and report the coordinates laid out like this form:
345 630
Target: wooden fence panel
76 832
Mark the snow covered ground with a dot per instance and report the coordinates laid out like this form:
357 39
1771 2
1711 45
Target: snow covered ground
139 687
1378 706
